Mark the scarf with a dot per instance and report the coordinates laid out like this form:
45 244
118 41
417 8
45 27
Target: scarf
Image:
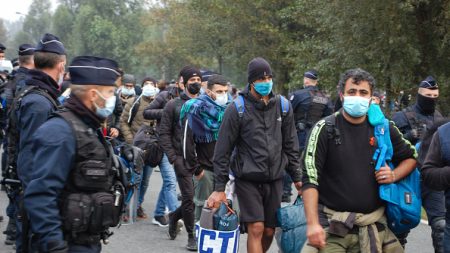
204 117
88 116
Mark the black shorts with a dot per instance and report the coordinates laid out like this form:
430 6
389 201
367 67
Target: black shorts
259 202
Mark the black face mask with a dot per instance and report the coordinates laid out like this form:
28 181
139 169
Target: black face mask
426 104
194 88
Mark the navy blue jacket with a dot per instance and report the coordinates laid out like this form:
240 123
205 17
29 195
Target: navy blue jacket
52 153
301 100
34 110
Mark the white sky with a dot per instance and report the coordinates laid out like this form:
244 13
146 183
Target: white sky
9 8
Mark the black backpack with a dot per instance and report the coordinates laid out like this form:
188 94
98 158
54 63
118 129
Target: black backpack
147 139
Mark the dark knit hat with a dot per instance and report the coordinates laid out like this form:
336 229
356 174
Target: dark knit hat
2 48
26 49
258 68
217 79
429 83
311 74
189 72
50 44
93 70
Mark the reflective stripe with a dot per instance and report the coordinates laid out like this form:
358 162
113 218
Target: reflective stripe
310 156
405 140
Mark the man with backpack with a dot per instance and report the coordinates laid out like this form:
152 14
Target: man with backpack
436 172
168 194
343 207
258 133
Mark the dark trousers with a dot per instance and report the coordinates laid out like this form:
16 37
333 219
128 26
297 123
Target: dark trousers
186 210
447 223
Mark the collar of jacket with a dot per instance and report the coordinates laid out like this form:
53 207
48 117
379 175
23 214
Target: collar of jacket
42 80
258 103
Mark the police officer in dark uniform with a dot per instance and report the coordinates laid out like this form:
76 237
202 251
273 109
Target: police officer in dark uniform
413 122
32 106
309 105
26 62
74 195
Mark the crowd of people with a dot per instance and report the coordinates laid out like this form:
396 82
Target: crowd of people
69 136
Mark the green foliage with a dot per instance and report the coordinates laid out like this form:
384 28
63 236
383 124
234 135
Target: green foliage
399 42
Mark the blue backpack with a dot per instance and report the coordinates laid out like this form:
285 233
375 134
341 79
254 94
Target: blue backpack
240 105
403 198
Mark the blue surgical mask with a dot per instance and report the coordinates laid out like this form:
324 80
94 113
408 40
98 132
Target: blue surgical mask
263 88
356 106
149 91
110 104
128 92
375 115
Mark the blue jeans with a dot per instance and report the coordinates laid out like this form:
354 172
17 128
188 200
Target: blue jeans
447 223
168 193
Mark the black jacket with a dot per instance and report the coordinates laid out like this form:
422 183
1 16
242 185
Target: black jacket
170 135
264 143
155 109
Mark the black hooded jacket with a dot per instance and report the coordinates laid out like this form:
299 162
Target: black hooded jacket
263 143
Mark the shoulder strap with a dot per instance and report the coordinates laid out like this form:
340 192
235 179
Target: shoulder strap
134 109
284 105
332 131
240 106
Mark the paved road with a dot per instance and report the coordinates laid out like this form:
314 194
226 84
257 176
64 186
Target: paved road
144 237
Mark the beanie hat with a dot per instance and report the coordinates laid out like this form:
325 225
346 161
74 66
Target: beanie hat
258 68
188 72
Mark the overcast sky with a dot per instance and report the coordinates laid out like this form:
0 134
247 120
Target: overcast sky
10 7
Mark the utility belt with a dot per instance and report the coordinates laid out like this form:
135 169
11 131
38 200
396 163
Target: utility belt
303 126
86 217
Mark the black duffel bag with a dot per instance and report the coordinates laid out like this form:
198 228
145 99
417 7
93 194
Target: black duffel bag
147 139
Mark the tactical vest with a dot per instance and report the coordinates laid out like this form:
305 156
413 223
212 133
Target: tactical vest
416 122
444 133
13 134
92 199
315 111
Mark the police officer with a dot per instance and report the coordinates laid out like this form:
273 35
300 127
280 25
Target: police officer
309 105
26 62
413 122
73 196
30 109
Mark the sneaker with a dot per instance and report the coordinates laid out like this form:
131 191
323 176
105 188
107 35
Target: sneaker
172 233
192 244
160 221
141 215
10 240
174 227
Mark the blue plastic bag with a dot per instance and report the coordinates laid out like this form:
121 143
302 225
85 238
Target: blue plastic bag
292 221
